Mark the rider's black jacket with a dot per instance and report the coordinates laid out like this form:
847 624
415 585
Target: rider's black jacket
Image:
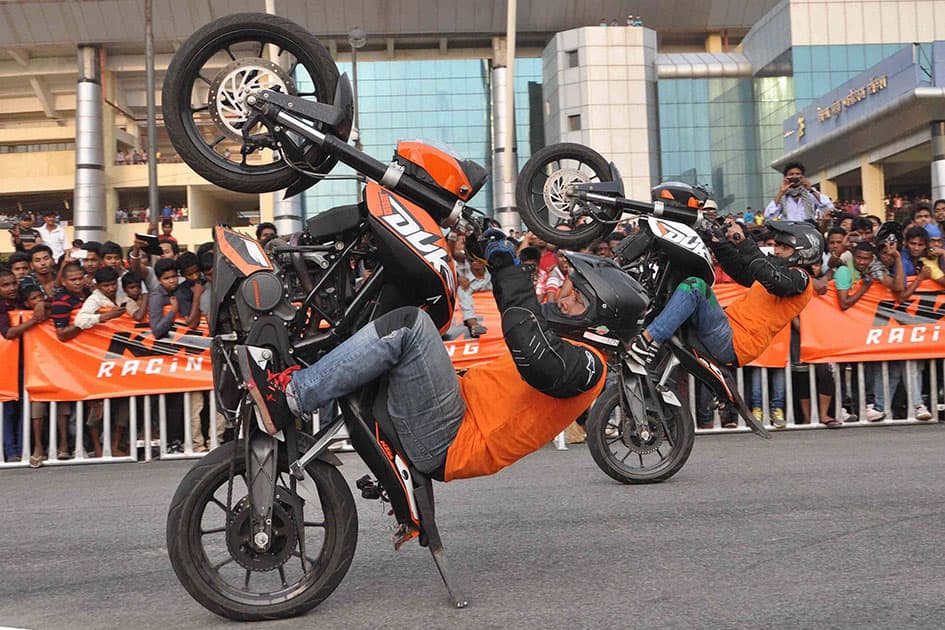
746 264
546 362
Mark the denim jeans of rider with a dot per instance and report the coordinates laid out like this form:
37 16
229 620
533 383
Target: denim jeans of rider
693 301
424 398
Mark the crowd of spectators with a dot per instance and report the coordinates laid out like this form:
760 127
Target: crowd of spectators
88 284
140 156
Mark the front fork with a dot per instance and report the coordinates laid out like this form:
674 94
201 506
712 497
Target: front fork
637 388
262 451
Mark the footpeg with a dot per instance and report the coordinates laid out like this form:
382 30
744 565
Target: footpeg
369 489
405 533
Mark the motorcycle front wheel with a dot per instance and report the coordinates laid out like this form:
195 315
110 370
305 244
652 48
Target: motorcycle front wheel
543 201
209 548
619 450
210 75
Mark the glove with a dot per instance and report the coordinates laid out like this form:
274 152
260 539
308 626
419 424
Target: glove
497 251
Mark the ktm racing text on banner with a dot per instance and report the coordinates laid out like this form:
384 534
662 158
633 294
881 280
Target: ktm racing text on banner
116 358
467 351
876 328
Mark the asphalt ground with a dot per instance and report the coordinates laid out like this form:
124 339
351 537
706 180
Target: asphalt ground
813 529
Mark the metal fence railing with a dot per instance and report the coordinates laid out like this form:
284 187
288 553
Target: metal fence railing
153 431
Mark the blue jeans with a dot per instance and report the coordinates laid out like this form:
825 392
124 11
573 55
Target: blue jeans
897 374
424 399
693 301
776 382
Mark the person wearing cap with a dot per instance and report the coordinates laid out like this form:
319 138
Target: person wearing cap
23 235
53 234
798 200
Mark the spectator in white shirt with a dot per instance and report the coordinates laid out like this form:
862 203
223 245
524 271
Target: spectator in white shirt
103 297
797 200
53 234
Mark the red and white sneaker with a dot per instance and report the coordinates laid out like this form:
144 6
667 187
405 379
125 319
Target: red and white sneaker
267 390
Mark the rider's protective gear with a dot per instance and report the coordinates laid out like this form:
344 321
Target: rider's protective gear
550 365
613 298
806 239
745 263
498 252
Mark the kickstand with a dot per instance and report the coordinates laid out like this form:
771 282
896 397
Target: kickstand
431 537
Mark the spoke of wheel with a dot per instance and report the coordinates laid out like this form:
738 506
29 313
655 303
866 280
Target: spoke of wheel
262 47
659 453
613 439
313 524
292 68
285 583
217 567
306 94
215 530
640 455
624 458
230 53
199 108
204 79
218 140
308 559
249 574
220 504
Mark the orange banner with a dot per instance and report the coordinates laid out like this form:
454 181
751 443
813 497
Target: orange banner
117 358
466 351
876 328
10 359
778 353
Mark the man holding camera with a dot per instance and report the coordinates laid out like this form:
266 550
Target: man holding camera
797 200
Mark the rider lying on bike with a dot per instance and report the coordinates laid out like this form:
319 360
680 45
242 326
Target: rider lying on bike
780 286
452 427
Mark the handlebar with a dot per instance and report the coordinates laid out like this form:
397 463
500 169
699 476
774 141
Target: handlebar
687 216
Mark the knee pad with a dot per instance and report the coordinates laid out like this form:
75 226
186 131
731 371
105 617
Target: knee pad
696 285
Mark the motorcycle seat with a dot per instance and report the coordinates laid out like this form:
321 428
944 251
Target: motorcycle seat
335 221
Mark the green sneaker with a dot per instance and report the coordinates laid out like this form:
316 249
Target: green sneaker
778 419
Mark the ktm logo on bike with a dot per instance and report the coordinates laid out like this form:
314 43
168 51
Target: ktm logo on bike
402 222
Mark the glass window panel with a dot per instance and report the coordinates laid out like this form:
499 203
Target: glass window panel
838 58
802 61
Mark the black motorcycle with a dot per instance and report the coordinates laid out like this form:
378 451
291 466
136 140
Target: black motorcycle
265 527
638 431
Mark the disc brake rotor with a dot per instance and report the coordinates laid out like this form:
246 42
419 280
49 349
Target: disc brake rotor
633 441
239 537
556 188
234 82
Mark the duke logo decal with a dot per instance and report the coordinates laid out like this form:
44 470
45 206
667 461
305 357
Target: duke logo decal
424 242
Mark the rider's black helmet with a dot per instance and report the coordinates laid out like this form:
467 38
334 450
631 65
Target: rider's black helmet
805 238
613 298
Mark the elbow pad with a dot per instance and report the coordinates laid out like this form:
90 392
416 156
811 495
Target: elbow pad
779 281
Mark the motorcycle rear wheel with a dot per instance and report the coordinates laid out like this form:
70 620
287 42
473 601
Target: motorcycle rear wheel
216 576
609 432
543 205
210 73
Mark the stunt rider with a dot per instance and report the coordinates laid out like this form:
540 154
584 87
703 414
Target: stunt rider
780 286
453 427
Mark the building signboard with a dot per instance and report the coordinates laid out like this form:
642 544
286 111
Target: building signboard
858 98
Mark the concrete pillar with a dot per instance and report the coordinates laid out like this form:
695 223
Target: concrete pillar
504 145
89 216
874 185
938 159
286 213
827 186
713 43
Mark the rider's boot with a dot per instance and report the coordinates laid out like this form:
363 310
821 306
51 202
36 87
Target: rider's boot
268 389
643 350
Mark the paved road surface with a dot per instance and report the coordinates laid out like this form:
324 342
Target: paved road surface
836 529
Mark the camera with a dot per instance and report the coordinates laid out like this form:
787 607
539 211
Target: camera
794 179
